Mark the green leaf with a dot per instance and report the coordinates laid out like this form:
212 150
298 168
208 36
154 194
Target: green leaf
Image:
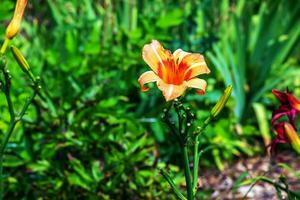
295 173
96 171
263 122
218 159
239 180
158 131
172 18
12 161
80 169
172 184
39 166
74 179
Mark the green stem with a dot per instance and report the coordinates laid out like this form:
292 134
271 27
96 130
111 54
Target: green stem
13 122
7 94
196 165
202 128
187 172
4 46
197 155
267 180
170 125
7 136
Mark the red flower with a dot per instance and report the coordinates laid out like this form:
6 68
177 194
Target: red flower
286 132
290 105
280 136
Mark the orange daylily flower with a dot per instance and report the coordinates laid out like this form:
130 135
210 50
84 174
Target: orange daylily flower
173 73
13 27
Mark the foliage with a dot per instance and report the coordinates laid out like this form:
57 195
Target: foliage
104 150
256 44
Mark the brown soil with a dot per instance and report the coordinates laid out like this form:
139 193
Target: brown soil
223 182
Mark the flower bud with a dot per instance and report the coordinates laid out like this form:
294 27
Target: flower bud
13 27
23 63
293 137
20 59
287 99
222 101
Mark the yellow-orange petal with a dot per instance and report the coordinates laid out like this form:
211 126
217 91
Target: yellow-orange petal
178 55
171 91
195 65
147 77
292 136
155 55
198 84
295 103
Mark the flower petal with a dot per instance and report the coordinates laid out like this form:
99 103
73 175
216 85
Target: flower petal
178 55
13 27
147 77
195 65
155 55
292 135
280 136
281 96
199 84
171 91
295 103
280 133
284 110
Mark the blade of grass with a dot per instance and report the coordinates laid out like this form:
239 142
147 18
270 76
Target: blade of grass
172 184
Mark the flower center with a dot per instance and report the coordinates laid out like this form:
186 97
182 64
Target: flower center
171 73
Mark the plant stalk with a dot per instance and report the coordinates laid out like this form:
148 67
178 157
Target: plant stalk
4 46
13 122
187 172
196 166
267 180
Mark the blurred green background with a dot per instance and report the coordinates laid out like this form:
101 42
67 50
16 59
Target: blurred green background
96 135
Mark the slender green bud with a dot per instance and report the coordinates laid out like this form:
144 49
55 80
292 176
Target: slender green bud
20 59
222 101
22 62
